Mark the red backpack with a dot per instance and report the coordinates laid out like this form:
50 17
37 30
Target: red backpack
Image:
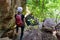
19 21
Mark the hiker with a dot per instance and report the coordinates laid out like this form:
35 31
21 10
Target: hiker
47 30
28 18
57 27
19 19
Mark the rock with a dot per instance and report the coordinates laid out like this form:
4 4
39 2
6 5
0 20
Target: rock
7 14
6 38
8 11
32 35
57 27
10 34
49 24
38 35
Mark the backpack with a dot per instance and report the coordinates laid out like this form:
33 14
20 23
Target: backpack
19 21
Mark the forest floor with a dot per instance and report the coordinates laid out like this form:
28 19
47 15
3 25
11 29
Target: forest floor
27 32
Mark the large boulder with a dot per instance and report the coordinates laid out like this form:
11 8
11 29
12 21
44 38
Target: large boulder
6 14
6 38
49 24
57 27
38 35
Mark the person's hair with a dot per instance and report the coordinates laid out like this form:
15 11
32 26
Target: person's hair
19 9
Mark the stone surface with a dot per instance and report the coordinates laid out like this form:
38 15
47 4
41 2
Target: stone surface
8 11
38 35
6 38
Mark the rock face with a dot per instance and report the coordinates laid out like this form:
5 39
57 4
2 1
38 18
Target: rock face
32 35
57 27
38 35
6 38
7 12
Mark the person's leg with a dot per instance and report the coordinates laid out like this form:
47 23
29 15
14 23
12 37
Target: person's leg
16 29
22 32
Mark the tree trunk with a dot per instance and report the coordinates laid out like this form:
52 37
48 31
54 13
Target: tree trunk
7 12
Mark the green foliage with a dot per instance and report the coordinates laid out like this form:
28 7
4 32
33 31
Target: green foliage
44 8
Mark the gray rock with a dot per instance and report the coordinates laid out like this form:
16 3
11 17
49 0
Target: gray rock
39 35
6 38
49 24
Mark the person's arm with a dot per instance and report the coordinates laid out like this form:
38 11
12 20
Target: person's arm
24 20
